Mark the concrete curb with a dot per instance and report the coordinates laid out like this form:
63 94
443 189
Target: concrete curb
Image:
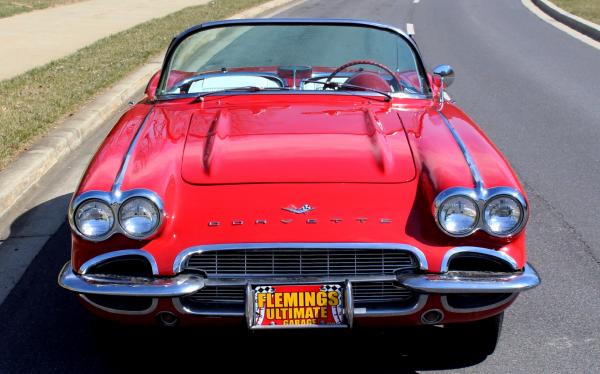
28 168
579 24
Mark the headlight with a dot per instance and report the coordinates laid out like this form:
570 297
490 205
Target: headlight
139 217
94 219
458 215
503 215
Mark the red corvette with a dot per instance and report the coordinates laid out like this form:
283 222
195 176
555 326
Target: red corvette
299 174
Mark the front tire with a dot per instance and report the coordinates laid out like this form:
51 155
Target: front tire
478 337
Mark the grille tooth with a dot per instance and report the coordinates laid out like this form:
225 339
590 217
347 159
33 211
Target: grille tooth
302 262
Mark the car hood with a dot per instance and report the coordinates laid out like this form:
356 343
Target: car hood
296 143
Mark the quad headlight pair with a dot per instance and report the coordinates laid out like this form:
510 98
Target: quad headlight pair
501 211
97 215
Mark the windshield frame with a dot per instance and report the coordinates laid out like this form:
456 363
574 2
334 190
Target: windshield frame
426 94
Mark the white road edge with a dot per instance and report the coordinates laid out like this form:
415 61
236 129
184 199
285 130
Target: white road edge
576 34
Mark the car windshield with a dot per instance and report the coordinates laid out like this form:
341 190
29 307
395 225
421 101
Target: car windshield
292 56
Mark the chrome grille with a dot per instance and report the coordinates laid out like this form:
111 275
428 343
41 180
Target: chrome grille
362 292
219 295
301 262
374 292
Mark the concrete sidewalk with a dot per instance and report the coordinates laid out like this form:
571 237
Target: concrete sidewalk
33 39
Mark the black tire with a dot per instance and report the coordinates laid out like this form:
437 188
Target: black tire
478 337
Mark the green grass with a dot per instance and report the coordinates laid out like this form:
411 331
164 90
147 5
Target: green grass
9 7
587 9
33 102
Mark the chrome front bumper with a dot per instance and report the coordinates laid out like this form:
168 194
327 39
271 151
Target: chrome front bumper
186 284
180 285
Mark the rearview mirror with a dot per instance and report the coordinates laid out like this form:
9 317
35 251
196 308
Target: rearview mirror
446 73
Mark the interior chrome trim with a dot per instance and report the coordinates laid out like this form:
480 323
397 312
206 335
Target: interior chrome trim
399 95
198 77
83 269
150 309
483 251
182 257
444 301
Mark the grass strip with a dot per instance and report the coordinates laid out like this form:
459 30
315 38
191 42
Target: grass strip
586 9
9 7
31 103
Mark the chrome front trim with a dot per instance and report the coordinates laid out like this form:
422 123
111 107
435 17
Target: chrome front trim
150 309
471 282
248 309
83 269
483 251
365 312
481 197
115 198
479 194
221 281
477 179
182 257
444 301
121 175
222 312
348 303
180 285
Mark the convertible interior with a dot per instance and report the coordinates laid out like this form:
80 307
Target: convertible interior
289 77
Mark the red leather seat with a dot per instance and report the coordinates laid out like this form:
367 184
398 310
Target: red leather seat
367 79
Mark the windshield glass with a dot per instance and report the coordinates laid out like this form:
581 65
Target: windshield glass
292 57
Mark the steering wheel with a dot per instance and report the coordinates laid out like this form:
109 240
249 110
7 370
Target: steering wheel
362 62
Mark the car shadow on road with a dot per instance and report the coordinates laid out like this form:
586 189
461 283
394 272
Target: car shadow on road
44 329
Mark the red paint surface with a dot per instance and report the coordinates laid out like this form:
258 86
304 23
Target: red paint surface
356 160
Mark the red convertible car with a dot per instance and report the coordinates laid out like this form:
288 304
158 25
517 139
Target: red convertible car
298 173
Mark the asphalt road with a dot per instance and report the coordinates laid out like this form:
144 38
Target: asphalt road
533 89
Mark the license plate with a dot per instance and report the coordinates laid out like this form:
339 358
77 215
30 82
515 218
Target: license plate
298 306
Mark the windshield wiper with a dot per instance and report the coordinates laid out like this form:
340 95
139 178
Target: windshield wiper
201 96
337 85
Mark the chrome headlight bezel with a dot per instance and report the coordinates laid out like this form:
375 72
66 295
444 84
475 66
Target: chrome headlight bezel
522 216
106 207
440 210
122 223
114 200
482 197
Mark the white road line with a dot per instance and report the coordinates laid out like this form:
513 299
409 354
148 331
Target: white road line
416 1
577 35
410 29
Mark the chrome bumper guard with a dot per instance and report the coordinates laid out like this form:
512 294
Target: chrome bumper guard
186 284
472 282
180 285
